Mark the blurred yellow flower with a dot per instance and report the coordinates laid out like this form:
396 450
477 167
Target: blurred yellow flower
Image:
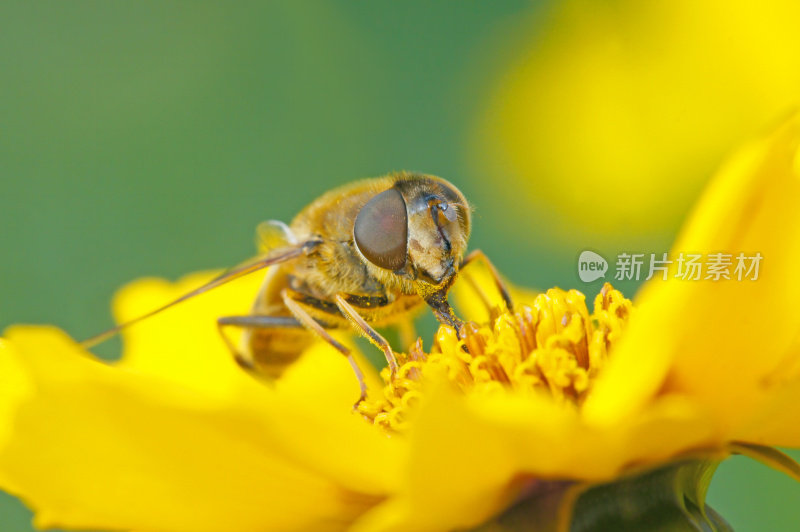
175 437
614 113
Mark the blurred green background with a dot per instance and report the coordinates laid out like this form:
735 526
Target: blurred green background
150 138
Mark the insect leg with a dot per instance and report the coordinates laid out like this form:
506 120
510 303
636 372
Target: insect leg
365 329
501 285
253 321
302 315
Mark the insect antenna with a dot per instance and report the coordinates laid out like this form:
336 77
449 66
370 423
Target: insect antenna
246 268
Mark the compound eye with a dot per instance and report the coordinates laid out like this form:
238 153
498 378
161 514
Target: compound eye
381 230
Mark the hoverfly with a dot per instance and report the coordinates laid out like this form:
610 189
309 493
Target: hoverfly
363 255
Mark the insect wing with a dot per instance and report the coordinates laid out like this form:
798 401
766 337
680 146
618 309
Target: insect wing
276 256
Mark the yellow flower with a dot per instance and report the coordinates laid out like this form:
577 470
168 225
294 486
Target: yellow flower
553 347
633 101
175 437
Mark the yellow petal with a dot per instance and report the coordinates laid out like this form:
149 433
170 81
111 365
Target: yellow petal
718 340
312 418
15 389
469 454
105 448
475 293
776 420
182 344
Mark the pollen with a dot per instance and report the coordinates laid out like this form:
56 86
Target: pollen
555 347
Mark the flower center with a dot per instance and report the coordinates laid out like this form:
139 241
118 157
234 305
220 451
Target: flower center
554 346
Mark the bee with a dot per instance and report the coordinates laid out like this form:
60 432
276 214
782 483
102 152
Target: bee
364 255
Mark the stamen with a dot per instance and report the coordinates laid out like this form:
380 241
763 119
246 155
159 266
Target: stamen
553 347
